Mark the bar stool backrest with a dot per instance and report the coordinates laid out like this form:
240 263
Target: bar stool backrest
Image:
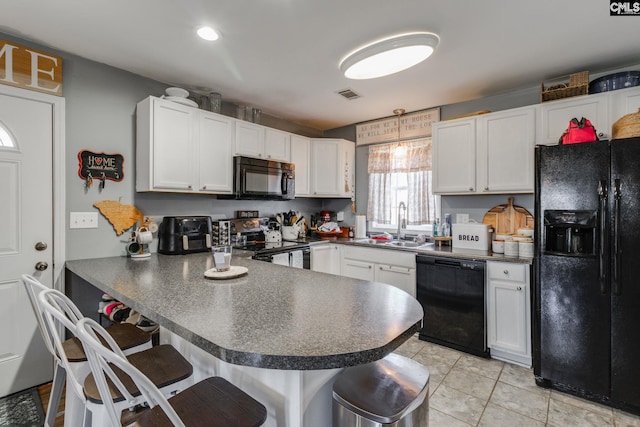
34 288
61 314
102 359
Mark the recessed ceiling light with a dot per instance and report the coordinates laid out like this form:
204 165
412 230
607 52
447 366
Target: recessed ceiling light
389 55
208 33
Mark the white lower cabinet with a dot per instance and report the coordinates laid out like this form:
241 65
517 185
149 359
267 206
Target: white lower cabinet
509 311
357 269
397 268
325 258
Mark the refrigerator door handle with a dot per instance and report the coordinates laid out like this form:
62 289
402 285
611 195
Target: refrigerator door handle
602 194
616 238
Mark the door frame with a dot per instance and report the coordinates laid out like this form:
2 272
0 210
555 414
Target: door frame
58 180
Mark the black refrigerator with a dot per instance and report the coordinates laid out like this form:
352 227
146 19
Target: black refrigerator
586 330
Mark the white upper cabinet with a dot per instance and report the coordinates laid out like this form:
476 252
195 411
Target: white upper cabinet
277 145
165 142
253 140
249 139
182 149
624 102
454 156
301 158
506 142
491 153
332 167
555 116
214 153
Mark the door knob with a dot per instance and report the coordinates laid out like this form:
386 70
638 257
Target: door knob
42 266
41 246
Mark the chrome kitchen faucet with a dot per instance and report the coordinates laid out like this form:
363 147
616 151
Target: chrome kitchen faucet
402 224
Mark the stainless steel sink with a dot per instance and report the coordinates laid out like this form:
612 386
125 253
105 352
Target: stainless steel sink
397 243
404 244
370 241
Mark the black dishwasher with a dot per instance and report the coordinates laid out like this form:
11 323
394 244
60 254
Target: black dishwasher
452 294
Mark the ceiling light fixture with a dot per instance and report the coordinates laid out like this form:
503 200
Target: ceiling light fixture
389 55
208 33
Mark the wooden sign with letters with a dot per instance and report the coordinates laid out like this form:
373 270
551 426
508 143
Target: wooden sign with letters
28 68
412 125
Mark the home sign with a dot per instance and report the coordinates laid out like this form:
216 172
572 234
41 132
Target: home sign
100 166
28 68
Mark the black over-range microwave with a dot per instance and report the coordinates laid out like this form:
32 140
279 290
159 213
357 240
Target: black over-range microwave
263 179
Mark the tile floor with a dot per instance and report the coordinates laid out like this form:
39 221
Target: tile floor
470 391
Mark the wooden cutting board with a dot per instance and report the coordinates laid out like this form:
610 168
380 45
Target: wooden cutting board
506 219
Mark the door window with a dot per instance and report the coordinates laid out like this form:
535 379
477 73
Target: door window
6 141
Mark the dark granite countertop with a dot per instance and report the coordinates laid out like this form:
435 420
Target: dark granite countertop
275 317
432 250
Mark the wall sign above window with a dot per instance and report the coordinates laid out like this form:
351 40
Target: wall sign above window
412 125
28 68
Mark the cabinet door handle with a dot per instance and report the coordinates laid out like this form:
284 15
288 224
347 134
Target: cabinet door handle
519 288
204 187
189 187
506 272
486 188
470 188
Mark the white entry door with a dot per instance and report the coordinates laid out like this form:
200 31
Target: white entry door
26 234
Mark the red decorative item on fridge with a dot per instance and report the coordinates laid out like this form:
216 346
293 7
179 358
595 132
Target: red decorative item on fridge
579 131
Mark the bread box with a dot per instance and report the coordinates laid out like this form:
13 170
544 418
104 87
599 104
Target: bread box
471 236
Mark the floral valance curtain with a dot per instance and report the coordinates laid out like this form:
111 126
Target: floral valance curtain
405 156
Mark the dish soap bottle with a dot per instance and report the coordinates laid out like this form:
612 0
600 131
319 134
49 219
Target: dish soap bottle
436 227
446 226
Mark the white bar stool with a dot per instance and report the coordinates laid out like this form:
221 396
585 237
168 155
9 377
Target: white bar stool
170 371
213 402
128 337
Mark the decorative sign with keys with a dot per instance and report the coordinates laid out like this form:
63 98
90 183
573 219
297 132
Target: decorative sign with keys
100 166
412 125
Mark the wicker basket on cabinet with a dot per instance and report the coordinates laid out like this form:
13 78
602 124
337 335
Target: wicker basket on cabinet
566 86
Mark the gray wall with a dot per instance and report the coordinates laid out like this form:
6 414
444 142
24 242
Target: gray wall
475 206
100 116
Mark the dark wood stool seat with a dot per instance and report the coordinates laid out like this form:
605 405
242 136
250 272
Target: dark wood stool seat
126 336
162 364
213 402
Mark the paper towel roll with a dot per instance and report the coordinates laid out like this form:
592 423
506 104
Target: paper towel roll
361 226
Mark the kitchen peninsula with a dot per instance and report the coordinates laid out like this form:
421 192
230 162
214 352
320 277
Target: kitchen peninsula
281 334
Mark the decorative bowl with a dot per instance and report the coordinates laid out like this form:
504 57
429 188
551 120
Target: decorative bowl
177 91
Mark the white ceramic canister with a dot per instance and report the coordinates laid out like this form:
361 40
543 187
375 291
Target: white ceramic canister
503 236
511 248
525 232
525 248
498 246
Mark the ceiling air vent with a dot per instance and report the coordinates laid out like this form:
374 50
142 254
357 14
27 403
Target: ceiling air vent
348 94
